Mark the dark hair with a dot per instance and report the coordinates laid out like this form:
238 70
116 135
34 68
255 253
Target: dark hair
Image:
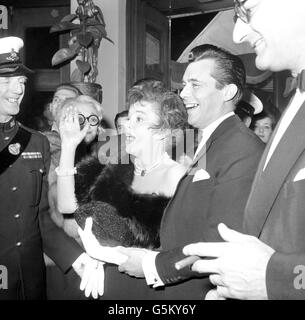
119 115
168 105
146 80
229 68
244 110
269 111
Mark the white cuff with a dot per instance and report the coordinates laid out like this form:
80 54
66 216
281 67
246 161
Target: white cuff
150 270
79 260
65 172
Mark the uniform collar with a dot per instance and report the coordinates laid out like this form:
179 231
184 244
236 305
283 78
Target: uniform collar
8 126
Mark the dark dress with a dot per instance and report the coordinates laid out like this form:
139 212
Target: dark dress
120 217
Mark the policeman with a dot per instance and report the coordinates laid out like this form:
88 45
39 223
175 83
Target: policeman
26 229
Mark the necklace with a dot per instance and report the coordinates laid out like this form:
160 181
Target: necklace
140 171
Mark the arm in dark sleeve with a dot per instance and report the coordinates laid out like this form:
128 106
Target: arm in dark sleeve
61 248
285 276
165 265
226 203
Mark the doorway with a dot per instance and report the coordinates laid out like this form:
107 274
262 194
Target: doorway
32 22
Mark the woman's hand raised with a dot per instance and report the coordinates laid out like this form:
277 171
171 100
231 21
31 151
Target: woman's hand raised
70 132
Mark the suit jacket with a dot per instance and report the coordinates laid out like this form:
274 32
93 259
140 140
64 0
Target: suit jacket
230 157
275 211
26 229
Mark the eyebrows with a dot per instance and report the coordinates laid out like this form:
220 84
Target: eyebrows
194 80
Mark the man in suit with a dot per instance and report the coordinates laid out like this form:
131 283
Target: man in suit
269 260
218 179
26 229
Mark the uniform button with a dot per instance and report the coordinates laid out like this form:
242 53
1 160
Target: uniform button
14 189
10 166
6 138
18 244
17 216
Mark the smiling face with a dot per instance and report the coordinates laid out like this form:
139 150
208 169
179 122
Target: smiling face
11 94
140 137
203 101
275 30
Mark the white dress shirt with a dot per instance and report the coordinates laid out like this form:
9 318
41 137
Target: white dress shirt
207 132
148 262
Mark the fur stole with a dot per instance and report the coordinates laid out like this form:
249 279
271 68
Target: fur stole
120 215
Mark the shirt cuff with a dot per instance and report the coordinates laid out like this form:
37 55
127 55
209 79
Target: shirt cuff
150 270
79 260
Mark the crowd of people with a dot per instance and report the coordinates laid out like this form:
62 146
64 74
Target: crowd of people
223 218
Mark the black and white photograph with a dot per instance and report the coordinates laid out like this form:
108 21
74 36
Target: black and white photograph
152 152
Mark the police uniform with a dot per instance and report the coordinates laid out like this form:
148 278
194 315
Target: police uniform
25 225
26 229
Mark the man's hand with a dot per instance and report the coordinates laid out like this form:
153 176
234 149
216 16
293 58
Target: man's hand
95 250
239 270
133 265
91 272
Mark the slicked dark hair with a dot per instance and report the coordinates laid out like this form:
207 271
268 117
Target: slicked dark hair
229 68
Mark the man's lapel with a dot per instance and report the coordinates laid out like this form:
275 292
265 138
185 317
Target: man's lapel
267 184
200 159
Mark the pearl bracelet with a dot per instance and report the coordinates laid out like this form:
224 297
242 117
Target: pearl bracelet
65 172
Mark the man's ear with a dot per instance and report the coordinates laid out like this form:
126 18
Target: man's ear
247 121
230 91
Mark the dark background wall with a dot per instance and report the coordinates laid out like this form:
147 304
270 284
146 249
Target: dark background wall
185 29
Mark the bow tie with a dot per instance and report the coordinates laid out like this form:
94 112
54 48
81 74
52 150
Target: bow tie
301 81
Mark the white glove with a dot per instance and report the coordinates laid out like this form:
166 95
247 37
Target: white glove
91 273
93 281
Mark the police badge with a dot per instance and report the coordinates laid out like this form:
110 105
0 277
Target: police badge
14 149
